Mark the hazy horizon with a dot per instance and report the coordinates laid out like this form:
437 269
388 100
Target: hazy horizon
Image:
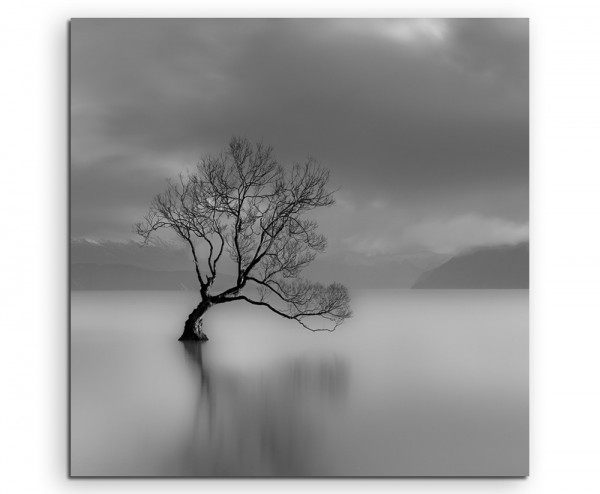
165 265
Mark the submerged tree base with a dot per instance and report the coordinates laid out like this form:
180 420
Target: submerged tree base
186 336
192 330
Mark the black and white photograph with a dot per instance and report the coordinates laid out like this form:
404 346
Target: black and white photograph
299 247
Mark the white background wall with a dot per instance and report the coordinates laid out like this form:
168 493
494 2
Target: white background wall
565 203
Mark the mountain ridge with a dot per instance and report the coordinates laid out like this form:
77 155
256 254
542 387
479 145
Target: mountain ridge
500 267
92 276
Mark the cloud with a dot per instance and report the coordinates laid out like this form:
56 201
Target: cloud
419 113
492 47
415 30
413 33
380 233
460 233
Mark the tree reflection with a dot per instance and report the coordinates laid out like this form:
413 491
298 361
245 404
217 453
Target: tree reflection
259 424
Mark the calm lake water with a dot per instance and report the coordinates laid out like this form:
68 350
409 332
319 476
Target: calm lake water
417 383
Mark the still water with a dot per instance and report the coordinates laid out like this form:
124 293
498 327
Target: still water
417 383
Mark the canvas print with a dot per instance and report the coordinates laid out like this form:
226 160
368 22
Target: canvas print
299 247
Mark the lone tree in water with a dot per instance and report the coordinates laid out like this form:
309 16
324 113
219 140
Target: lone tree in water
243 203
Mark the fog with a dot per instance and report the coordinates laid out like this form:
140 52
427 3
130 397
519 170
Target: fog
417 383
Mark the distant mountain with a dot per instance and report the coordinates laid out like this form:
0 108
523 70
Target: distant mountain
493 267
158 256
91 261
107 265
86 276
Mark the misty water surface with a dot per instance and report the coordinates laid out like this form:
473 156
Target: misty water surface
416 383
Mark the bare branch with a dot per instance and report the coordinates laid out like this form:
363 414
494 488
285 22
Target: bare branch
242 202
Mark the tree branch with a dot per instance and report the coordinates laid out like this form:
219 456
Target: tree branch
243 202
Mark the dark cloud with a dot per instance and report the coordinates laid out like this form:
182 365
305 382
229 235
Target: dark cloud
494 48
429 116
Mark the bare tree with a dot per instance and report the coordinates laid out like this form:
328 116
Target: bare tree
243 203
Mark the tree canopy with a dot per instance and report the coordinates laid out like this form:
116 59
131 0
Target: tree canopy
243 203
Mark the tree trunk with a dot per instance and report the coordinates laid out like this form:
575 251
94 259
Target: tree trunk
192 331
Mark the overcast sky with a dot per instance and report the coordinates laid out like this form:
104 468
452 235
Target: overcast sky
423 123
